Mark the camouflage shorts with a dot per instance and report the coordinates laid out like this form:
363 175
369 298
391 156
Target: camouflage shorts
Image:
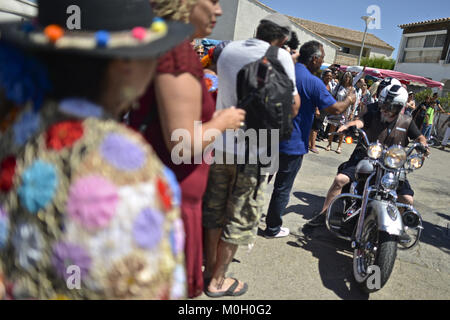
229 202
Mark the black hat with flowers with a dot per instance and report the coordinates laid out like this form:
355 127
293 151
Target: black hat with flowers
107 28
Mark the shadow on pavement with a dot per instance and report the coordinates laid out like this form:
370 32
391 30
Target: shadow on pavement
313 205
436 235
334 262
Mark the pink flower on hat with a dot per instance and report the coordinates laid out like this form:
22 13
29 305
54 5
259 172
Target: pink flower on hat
92 201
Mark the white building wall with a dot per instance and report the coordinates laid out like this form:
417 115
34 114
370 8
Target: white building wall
377 52
436 71
249 14
224 29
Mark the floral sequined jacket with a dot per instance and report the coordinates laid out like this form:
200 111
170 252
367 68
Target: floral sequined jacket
87 210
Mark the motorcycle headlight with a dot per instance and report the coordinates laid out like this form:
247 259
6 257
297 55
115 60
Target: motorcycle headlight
415 162
395 157
389 181
375 150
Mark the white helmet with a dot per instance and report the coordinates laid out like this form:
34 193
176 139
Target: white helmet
394 97
387 82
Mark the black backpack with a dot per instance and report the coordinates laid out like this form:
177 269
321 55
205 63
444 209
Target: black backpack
264 91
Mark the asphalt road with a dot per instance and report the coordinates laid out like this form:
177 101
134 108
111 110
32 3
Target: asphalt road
317 265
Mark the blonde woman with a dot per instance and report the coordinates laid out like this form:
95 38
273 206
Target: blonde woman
178 98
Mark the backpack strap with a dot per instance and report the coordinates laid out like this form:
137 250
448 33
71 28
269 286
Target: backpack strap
272 52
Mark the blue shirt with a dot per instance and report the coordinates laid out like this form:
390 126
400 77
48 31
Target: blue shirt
313 93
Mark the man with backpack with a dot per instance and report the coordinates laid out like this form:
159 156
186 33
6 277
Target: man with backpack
313 93
250 76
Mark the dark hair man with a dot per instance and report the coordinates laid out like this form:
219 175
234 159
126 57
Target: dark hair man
232 219
313 94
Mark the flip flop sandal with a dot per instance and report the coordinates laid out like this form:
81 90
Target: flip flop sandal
230 292
328 148
339 151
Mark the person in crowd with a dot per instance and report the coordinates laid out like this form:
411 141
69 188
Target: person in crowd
438 103
88 211
420 113
373 89
381 124
178 99
200 50
313 94
292 46
444 143
209 63
411 104
317 124
327 78
429 118
231 219
366 99
342 91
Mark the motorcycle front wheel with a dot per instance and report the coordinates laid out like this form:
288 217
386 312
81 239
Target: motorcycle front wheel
373 260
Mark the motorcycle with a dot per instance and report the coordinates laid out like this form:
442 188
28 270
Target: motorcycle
368 215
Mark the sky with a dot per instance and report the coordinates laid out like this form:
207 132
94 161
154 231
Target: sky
347 14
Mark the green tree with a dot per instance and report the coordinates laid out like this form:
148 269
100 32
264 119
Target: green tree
378 62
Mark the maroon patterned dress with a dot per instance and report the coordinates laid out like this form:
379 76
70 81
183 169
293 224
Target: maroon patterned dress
192 177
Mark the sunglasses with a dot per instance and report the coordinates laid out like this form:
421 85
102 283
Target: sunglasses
390 108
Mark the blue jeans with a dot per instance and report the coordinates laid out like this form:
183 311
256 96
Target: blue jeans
288 169
426 130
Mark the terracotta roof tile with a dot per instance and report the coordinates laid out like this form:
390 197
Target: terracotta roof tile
424 22
341 33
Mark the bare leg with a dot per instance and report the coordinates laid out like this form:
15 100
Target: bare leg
212 238
225 254
336 188
330 138
312 139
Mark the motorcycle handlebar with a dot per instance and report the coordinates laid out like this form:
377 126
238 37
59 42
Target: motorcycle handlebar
417 146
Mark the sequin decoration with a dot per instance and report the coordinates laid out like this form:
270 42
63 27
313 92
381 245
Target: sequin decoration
148 228
130 276
164 194
66 255
92 201
7 171
122 153
64 134
4 228
26 127
28 245
173 183
38 186
178 290
177 237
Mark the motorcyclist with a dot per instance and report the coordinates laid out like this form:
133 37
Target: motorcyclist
382 122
